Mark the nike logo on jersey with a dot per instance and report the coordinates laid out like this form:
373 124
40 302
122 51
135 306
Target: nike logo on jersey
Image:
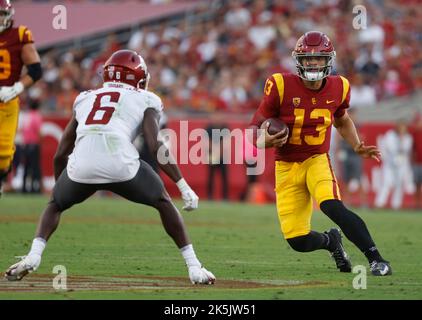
329 101
3 43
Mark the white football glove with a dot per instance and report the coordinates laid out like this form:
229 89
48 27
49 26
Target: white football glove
200 275
188 195
9 93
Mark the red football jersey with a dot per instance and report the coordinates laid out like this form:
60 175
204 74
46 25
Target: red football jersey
11 42
309 114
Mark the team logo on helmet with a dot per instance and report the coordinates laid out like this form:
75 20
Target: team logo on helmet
127 66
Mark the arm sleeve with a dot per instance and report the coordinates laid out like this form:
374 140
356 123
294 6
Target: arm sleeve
345 99
270 103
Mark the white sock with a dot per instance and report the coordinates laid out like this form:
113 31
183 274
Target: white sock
189 255
38 246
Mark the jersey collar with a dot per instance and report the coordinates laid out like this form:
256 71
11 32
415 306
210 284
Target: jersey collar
118 85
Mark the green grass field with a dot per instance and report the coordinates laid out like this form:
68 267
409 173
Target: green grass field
113 249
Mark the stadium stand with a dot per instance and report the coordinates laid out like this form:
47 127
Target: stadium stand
216 55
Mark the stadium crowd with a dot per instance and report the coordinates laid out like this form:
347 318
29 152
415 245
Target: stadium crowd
221 62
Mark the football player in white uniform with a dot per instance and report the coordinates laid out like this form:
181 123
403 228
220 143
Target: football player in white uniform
96 153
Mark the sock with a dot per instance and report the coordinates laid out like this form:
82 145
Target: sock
353 227
372 254
310 242
189 255
38 246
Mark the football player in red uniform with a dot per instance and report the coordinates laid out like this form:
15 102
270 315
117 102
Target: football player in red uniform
16 50
310 103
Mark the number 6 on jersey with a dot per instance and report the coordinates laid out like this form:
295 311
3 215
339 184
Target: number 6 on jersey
95 117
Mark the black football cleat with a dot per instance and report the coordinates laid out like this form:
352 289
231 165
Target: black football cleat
338 253
381 268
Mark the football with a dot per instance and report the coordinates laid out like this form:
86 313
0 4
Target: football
276 125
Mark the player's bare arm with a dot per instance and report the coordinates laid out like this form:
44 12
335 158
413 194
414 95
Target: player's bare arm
31 59
346 128
150 129
65 148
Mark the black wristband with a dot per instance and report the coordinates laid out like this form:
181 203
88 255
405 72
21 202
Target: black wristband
34 71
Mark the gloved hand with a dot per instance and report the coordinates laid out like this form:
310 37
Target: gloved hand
9 93
188 195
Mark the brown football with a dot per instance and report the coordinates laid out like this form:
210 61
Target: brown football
276 125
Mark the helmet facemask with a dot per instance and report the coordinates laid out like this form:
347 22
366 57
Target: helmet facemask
143 83
314 73
6 18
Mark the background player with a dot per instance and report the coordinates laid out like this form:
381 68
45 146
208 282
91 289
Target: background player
310 102
98 143
16 50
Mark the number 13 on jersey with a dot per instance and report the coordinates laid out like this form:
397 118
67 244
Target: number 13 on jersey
321 128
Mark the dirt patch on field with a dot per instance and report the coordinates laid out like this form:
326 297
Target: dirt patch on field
44 283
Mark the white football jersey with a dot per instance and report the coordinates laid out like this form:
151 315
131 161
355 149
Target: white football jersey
109 119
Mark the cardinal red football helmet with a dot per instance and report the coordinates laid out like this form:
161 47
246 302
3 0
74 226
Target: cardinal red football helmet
6 14
127 66
313 44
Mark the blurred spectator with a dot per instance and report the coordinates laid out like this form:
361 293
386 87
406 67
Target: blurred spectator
218 57
215 159
249 157
417 160
396 148
352 169
32 137
66 97
263 32
237 16
391 85
362 95
370 70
